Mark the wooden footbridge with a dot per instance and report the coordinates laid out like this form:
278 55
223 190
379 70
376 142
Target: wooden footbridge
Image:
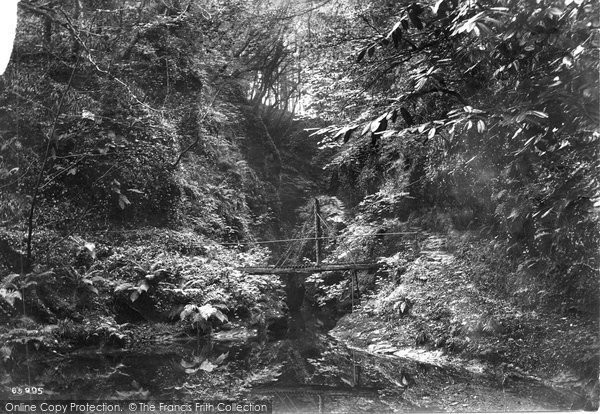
288 264
308 268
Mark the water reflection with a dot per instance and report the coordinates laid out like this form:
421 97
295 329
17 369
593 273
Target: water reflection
304 371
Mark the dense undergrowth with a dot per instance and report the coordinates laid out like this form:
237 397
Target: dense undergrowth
455 293
146 275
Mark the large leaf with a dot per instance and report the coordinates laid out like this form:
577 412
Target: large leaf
123 286
209 310
380 124
208 366
187 311
123 201
135 295
144 286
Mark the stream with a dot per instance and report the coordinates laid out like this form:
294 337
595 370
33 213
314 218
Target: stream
304 371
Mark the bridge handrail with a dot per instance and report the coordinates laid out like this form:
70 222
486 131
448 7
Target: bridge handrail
312 268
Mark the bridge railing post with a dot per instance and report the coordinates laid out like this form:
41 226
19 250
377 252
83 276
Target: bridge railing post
318 232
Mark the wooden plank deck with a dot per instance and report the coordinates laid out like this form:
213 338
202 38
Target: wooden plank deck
309 269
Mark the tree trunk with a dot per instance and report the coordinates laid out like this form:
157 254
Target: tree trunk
75 46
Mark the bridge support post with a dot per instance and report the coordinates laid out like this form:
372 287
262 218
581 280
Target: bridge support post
352 292
318 232
353 286
355 276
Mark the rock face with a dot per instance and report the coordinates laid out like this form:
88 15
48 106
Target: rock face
287 164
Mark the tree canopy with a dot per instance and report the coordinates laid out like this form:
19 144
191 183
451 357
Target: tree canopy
489 106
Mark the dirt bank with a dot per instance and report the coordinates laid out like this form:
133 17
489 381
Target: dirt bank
442 309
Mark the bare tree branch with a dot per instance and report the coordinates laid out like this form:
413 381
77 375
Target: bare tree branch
45 161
